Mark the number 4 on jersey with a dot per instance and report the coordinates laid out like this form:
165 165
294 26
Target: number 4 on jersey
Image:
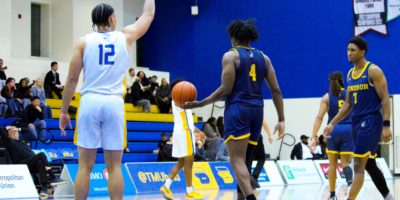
252 72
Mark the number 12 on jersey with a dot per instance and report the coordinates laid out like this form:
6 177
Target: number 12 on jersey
106 51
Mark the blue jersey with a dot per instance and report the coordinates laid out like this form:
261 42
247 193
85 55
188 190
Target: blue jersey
335 103
364 98
250 75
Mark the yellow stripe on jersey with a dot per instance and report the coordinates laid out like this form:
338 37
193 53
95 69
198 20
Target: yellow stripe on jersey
76 127
231 137
365 155
189 143
125 131
361 73
235 50
253 142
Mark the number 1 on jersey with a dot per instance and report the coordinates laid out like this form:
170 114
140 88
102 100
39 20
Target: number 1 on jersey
355 97
252 72
104 57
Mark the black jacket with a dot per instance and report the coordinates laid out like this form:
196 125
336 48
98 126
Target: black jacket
31 114
297 152
48 80
19 151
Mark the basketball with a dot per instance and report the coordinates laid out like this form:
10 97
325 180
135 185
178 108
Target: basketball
183 92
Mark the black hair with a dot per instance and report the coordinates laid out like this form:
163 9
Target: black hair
209 122
34 98
176 81
53 63
22 80
243 31
131 69
9 80
100 15
360 42
154 76
220 120
1 59
336 83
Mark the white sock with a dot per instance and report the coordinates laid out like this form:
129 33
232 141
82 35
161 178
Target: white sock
168 183
189 190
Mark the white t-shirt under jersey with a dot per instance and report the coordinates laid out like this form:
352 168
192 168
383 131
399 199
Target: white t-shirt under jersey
105 62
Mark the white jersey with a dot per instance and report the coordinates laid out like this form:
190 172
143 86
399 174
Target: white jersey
183 140
105 62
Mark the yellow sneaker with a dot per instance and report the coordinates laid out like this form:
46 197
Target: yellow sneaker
194 195
166 193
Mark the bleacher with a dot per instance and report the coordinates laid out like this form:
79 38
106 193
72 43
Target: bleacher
144 132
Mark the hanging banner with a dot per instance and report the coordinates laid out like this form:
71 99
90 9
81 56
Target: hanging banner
369 15
393 9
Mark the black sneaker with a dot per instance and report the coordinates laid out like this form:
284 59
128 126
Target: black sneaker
254 182
57 181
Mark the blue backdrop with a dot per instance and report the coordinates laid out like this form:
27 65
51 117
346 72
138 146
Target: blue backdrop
304 39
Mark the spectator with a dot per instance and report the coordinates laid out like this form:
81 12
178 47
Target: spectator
301 151
163 96
28 82
130 78
165 153
319 150
14 104
3 76
37 90
23 92
33 116
200 153
163 140
210 128
222 152
220 125
153 87
3 107
21 153
139 95
52 82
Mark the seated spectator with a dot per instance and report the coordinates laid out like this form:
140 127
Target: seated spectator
139 95
222 152
3 107
14 104
210 128
37 90
165 153
163 140
153 88
163 97
220 125
130 78
33 116
200 153
319 150
21 153
3 76
23 92
52 82
301 151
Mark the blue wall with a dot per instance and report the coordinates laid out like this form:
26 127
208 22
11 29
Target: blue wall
304 39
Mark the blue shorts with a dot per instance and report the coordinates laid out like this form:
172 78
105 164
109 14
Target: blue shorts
243 121
341 140
367 131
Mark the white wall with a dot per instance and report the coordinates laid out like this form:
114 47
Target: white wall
5 33
82 10
299 118
61 30
21 29
132 10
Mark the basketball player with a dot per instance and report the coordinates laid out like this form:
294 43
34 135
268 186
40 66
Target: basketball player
367 93
340 143
104 57
183 148
244 69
